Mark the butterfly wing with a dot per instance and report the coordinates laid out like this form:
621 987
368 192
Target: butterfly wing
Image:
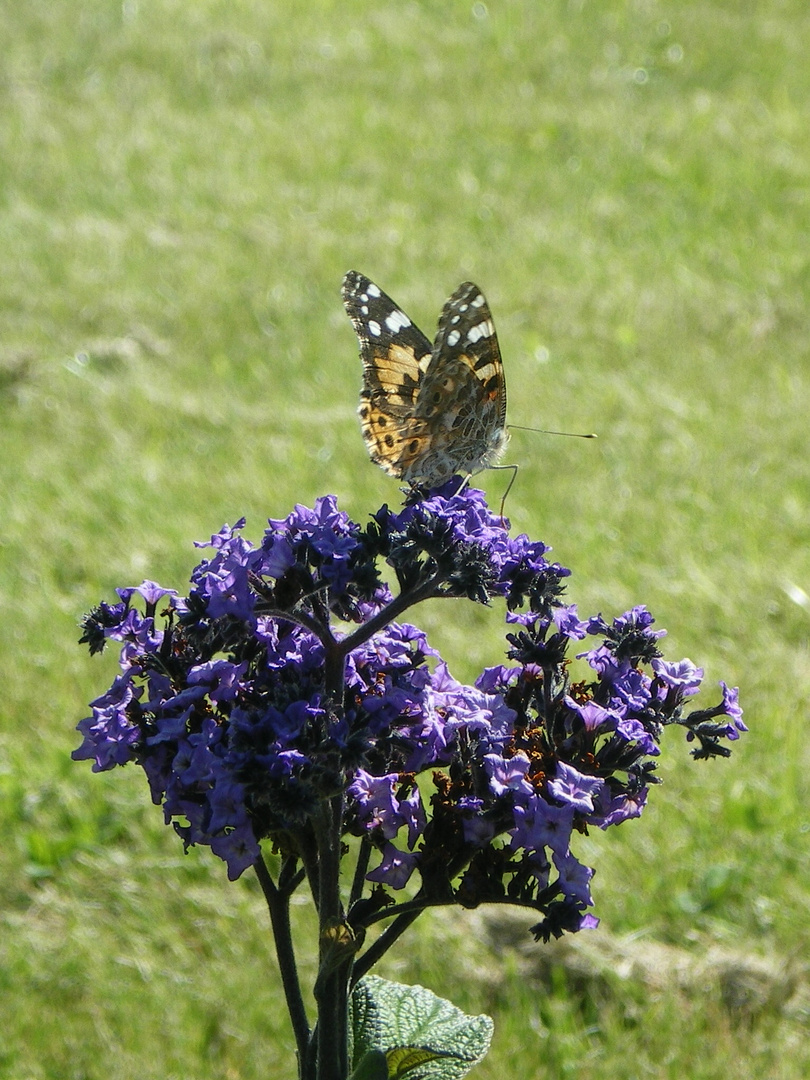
395 356
463 392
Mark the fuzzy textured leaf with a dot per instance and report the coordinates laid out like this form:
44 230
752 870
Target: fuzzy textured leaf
422 1036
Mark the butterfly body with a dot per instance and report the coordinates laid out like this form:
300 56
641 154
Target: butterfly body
428 411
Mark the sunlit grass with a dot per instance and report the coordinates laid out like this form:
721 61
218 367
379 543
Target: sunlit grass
183 187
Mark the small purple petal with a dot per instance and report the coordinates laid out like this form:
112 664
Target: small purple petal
574 788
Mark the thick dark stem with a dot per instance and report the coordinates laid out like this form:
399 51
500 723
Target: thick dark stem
335 942
335 952
308 851
323 1053
384 942
363 858
278 904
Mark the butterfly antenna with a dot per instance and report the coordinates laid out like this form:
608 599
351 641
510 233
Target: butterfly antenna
544 431
514 468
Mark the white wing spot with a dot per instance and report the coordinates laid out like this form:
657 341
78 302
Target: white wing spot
480 330
453 337
463 307
455 319
397 321
363 298
478 301
364 309
374 328
373 290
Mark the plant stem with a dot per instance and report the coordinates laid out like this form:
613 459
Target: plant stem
361 867
278 904
326 1056
335 950
384 943
335 942
391 611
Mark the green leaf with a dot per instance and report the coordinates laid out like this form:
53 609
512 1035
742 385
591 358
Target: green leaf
422 1036
372 1066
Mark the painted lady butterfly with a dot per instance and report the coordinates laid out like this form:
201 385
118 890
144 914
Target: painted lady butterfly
428 412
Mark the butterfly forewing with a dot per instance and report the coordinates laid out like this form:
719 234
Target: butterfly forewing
395 355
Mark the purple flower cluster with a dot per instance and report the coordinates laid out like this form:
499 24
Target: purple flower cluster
285 678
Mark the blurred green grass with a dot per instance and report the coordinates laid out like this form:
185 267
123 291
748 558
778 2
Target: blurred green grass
182 187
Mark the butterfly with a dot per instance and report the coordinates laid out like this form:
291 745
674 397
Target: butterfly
428 412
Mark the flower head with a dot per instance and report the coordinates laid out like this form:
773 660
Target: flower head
286 680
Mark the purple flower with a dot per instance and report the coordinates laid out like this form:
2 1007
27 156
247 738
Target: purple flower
413 814
395 869
568 622
628 639
574 878
574 788
222 582
279 683
601 659
151 591
527 618
238 848
110 736
620 808
683 676
638 619
496 679
279 557
630 688
221 677
632 730
595 717
322 539
377 806
227 803
731 707
508 774
540 825
469 708
224 537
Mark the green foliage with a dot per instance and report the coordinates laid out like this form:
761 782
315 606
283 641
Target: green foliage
182 187
422 1036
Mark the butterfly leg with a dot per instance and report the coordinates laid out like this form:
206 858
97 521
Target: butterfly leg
514 469
463 484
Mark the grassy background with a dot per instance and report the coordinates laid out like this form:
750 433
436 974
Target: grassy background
182 187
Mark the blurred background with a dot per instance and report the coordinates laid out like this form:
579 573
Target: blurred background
182 188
